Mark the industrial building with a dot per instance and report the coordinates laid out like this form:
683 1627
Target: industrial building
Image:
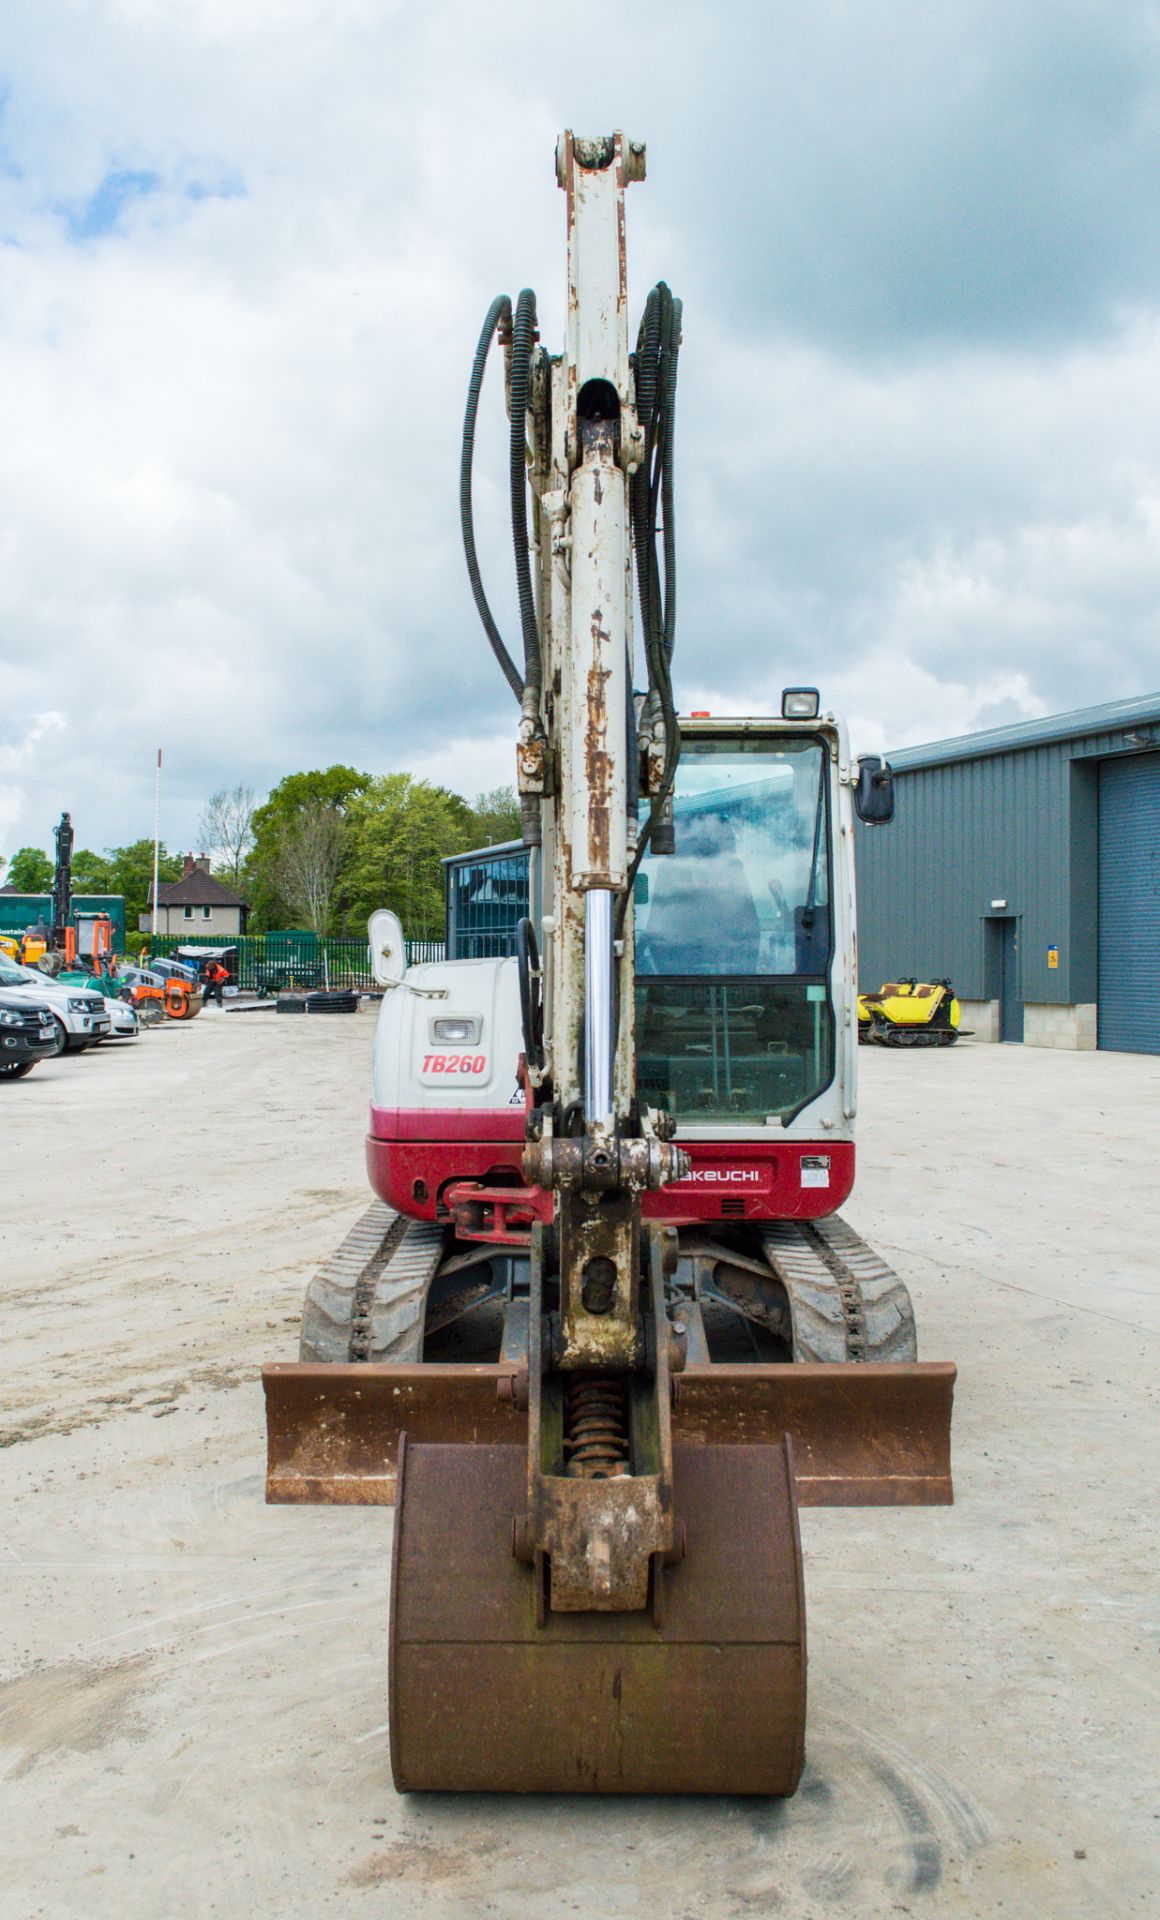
1024 864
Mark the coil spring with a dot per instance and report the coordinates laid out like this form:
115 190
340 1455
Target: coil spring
595 1427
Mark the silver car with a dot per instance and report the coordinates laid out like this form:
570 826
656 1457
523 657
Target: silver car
124 1021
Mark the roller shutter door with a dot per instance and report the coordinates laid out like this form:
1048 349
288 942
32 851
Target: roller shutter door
1129 988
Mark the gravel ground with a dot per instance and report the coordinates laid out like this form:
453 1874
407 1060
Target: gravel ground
192 1685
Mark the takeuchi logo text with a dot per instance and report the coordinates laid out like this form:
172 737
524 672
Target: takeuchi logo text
721 1177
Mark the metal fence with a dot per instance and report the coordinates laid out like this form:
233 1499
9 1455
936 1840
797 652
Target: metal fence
267 963
486 896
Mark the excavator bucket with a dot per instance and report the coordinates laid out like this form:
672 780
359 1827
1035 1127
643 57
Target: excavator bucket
490 1690
875 1435
703 1691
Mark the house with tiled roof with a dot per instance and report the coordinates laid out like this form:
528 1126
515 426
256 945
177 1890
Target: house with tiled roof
197 904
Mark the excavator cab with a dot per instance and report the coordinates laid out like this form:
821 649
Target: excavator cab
737 1010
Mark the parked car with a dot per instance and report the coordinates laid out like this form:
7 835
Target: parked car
27 1035
125 1023
80 1016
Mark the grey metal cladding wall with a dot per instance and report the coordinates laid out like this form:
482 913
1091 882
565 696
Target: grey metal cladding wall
967 832
1129 907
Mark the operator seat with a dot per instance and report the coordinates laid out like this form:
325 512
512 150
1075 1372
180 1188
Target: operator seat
702 917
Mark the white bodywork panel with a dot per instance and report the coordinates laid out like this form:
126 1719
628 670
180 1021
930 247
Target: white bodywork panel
415 1065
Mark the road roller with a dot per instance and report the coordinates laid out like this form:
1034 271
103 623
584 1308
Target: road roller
603 1328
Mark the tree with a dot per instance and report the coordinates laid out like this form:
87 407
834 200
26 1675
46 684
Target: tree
400 830
227 826
131 873
306 862
335 786
30 871
91 873
497 816
330 787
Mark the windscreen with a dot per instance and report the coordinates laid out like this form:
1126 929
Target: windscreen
747 890
733 934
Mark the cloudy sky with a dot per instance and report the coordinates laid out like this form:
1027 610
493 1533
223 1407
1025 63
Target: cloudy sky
247 245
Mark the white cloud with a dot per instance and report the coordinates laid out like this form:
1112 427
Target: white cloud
17 758
469 763
229 445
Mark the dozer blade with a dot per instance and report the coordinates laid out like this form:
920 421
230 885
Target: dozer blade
703 1693
862 1435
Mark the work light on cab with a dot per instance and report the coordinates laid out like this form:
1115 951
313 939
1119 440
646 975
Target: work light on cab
800 703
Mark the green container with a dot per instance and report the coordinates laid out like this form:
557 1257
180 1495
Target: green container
19 911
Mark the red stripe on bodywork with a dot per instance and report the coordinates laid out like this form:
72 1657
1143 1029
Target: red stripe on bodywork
412 1155
447 1123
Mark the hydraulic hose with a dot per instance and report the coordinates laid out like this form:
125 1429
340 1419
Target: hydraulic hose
653 496
645 370
523 341
668 505
499 316
531 993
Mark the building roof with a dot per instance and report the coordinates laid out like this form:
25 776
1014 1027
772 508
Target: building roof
1129 714
196 889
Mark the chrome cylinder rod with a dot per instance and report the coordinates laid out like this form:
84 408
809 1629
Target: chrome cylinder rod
598 1034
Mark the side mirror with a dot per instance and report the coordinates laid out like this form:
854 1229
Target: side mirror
874 793
388 948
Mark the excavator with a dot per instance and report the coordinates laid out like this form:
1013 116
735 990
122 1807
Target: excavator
603 1329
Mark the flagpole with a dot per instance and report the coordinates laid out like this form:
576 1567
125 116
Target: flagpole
156 847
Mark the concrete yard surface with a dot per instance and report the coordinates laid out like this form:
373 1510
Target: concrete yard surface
193 1685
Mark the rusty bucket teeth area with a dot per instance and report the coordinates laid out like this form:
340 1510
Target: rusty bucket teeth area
704 1694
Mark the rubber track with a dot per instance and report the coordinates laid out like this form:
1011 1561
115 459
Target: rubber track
327 1311
845 1303
389 1305
368 1301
